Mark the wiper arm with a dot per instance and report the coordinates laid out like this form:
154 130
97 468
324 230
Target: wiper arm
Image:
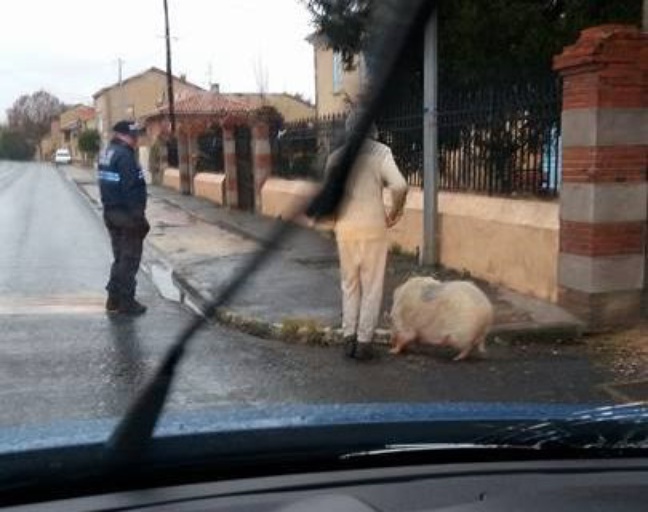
135 429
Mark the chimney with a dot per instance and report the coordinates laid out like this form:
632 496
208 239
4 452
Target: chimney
215 88
183 78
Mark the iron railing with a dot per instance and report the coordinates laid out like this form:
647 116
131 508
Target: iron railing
501 140
401 129
300 149
210 151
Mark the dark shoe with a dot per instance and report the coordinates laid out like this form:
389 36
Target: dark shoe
112 305
358 351
132 307
364 352
350 343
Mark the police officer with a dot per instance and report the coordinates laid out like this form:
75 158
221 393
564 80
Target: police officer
123 194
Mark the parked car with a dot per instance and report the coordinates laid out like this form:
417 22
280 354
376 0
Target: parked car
62 156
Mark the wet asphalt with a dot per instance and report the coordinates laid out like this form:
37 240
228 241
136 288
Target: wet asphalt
62 358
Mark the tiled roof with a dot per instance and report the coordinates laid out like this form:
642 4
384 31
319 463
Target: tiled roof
87 113
208 103
81 113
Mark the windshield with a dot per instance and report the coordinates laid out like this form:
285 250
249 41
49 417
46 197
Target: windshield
478 246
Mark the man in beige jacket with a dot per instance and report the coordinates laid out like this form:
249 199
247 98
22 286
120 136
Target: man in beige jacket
361 231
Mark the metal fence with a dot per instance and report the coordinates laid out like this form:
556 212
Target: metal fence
501 140
401 129
210 151
300 149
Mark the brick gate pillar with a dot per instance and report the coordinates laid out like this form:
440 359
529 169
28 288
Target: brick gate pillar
603 193
229 157
262 158
187 148
184 165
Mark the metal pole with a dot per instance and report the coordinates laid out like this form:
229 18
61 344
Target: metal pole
172 147
430 253
122 102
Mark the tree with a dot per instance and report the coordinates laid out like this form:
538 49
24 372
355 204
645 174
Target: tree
90 142
343 23
13 146
31 115
261 76
479 41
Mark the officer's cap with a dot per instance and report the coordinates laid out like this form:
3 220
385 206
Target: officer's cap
128 128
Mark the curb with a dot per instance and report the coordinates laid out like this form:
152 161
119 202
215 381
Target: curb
311 332
304 330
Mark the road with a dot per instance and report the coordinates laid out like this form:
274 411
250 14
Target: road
62 358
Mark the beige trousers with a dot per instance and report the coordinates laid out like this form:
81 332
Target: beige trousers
362 268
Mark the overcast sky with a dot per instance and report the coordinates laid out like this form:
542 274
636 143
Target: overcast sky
71 47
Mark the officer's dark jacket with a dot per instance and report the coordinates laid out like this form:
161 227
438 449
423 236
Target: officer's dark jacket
121 179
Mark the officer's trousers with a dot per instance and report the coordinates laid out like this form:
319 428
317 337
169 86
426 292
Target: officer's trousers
127 235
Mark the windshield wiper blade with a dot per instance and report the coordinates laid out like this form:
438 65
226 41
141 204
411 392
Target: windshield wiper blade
400 449
400 17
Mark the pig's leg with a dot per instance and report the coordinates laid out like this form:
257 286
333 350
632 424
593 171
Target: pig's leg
481 345
464 353
400 340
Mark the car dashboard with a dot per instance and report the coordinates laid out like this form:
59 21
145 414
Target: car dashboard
574 485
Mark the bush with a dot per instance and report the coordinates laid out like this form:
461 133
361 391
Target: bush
90 142
14 146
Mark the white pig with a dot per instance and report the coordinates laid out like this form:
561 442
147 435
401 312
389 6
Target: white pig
454 313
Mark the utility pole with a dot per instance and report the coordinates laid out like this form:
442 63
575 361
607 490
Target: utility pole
430 253
122 103
172 145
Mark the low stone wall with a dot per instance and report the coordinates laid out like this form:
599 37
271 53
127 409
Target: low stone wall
513 242
280 198
210 186
171 178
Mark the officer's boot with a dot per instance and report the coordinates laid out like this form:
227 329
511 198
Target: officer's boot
112 304
132 307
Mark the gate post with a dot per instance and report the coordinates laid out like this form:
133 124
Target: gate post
262 158
183 162
603 192
187 149
229 158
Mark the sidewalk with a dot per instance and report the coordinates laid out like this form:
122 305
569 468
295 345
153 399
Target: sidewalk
197 247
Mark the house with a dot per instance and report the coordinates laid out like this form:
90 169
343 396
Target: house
72 123
335 87
291 107
136 97
52 141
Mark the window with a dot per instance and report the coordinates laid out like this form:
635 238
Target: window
362 69
337 72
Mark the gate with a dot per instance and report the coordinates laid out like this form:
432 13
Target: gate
244 168
210 150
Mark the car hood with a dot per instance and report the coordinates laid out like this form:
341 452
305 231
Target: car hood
272 417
